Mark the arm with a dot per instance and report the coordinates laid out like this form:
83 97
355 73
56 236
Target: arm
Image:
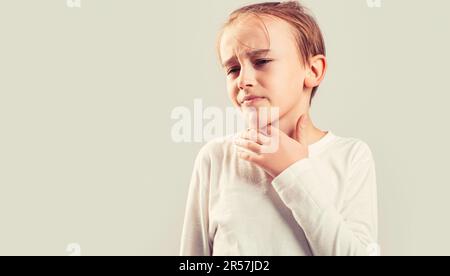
195 239
349 231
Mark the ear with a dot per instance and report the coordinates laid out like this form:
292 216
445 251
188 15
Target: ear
315 72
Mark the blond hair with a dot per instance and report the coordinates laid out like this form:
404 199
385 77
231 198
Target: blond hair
307 33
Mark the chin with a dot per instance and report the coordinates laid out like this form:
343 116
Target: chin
265 114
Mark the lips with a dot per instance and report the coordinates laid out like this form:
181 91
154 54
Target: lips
250 99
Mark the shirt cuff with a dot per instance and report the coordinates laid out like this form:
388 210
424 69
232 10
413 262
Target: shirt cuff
292 172
299 182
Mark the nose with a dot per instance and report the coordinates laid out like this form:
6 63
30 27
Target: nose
246 77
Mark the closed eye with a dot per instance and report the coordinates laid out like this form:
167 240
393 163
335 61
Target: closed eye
232 70
259 62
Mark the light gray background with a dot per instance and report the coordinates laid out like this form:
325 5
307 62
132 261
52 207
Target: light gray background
86 94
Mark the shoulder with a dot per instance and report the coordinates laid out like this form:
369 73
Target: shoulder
354 150
215 149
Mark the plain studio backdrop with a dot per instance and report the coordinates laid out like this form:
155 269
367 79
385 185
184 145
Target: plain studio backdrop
87 93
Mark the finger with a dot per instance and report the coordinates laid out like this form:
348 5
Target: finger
252 117
253 135
267 131
273 131
274 140
248 156
249 145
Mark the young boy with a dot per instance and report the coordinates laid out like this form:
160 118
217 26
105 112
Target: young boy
316 193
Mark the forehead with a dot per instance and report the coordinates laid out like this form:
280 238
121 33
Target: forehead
251 33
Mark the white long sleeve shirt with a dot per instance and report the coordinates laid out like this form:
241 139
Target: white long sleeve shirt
325 204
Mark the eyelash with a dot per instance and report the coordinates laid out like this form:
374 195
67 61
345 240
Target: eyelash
259 62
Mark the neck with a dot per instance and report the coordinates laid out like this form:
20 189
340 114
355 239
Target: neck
288 123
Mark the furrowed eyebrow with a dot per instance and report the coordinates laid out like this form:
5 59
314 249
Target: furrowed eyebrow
249 54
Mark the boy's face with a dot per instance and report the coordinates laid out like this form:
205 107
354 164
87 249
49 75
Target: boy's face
276 77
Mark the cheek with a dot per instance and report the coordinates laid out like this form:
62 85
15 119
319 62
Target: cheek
282 86
232 93
285 89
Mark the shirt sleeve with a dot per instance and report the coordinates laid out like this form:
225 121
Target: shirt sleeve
351 230
195 239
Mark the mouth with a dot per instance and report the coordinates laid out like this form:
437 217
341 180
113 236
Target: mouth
249 100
